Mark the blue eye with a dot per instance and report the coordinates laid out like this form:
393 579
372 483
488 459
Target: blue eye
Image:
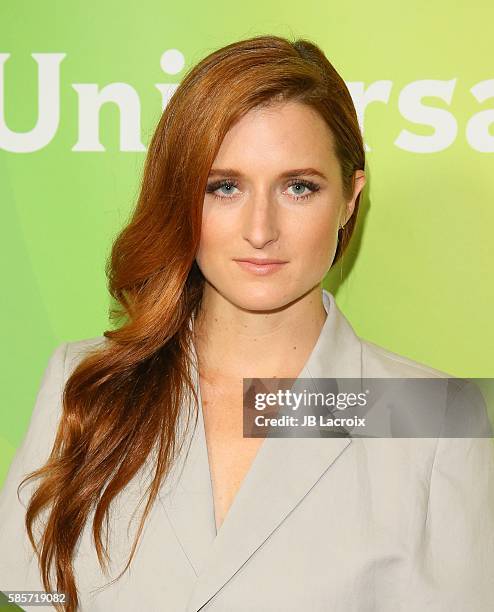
227 184
313 187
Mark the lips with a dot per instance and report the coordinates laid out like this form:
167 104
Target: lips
259 261
261 267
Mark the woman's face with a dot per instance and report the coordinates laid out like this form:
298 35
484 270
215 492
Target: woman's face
274 192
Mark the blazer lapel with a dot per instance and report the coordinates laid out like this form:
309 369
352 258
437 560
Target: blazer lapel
281 475
187 495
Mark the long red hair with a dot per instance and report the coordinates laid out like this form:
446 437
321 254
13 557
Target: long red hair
124 400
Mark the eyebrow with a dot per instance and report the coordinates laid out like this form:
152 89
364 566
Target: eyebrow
287 174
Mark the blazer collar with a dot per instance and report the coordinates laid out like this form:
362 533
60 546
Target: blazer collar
281 475
338 350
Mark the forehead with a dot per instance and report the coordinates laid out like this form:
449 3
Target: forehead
279 134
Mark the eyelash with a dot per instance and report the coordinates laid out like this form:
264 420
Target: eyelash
212 187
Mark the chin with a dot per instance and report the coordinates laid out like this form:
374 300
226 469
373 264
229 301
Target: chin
260 298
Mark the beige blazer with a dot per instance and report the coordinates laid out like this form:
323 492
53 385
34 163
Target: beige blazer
319 524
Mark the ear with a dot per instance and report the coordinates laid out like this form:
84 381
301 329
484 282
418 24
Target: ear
358 185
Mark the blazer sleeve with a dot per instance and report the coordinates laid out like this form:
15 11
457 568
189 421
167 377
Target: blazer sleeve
458 539
18 564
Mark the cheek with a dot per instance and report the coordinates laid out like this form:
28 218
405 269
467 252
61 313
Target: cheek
315 239
216 236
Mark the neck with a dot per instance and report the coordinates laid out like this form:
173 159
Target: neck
232 343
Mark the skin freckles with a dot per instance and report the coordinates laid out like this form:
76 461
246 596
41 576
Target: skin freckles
255 206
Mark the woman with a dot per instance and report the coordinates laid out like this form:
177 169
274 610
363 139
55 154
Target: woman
250 194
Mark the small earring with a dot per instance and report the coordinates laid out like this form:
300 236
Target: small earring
341 261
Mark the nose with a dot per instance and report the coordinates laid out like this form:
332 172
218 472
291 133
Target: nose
260 221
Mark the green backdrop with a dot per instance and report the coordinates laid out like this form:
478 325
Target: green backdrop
419 277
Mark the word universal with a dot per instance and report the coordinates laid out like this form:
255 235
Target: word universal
91 97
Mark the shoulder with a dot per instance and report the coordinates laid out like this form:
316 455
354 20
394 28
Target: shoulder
77 350
377 361
61 362
460 400
82 347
